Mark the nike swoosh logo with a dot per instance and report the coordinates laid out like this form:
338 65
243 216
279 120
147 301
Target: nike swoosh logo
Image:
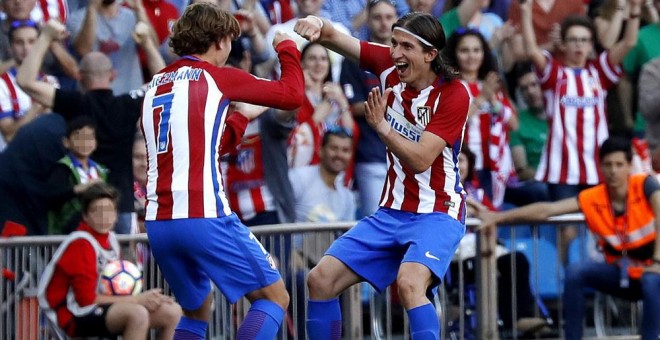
428 254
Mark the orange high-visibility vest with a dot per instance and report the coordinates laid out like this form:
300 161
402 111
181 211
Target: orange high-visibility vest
635 229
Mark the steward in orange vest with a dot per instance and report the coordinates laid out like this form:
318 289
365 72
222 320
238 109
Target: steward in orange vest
630 232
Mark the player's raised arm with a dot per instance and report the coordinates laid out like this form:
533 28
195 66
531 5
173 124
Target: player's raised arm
319 30
284 94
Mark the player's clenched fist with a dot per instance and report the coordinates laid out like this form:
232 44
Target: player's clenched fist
279 37
309 27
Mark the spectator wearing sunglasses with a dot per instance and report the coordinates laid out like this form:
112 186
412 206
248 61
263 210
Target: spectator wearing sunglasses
59 61
16 106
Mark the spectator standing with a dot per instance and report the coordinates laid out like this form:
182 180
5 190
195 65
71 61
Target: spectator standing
16 106
370 162
59 59
73 174
609 22
575 91
325 105
576 100
627 234
107 27
186 128
546 18
68 289
422 194
645 50
491 114
115 116
162 15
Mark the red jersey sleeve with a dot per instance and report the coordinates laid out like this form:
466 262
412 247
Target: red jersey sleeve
548 75
234 130
608 73
450 116
79 263
286 93
375 57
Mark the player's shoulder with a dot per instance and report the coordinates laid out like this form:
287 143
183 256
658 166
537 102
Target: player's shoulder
454 88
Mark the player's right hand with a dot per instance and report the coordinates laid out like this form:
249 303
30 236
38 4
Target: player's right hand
279 37
309 27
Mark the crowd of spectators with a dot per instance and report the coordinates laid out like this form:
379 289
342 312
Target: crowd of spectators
538 71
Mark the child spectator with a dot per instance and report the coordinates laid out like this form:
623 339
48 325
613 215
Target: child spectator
68 289
74 173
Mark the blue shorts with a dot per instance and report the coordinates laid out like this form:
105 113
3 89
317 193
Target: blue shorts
192 252
375 248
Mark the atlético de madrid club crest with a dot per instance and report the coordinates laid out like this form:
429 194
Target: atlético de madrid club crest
423 114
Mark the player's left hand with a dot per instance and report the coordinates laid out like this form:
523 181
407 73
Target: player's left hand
279 37
376 106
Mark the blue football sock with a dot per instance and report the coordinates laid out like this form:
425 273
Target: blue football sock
190 329
424 324
262 321
324 319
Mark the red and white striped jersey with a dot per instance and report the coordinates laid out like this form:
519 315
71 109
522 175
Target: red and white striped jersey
487 136
183 120
14 102
575 104
45 10
440 109
246 188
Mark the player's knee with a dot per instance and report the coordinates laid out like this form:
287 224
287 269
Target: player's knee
281 298
409 287
317 282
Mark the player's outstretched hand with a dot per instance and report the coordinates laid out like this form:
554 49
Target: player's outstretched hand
153 298
279 37
250 111
309 27
375 106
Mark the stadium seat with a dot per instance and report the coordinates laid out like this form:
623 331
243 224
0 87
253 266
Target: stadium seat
544 262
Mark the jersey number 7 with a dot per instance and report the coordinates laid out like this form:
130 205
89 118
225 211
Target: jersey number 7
164 101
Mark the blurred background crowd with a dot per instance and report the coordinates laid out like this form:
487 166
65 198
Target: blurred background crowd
76 124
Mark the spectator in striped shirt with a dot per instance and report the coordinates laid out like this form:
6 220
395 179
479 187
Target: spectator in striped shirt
16 106
575 93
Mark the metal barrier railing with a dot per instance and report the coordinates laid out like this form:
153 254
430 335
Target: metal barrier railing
466 310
